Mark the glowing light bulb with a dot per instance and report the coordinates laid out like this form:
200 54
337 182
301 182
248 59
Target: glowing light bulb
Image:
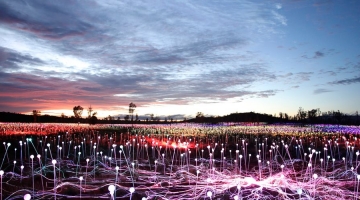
27 197
111 189
132 190
299 191
315 176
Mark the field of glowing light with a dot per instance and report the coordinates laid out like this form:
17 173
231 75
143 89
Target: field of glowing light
179 161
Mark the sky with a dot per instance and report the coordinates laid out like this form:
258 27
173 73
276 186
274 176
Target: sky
177 58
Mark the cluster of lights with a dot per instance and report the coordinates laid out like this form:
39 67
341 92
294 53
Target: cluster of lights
156 159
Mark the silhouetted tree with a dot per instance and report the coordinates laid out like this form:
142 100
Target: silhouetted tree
132 107
199 117
92 119
199 114
78 111
286 117
312 114
136 117
301 114
337 115
90 110
36 113
127 117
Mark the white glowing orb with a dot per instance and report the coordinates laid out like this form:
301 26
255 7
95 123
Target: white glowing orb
27 197
53 162
1 172
315 176
236 197
299 191
132 190
111 189
209 193
250 180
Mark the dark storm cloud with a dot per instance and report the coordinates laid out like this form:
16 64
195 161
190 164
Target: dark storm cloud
346 81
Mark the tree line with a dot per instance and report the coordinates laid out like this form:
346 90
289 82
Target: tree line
312 116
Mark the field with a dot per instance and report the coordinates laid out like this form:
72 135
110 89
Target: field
179 161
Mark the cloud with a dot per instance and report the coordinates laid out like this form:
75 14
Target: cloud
346 81
267 93
12 60
321 90
278 6
45 19
318 3
280 18
149 52
304 76
317 54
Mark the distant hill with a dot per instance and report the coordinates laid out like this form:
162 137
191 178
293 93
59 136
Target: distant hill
250 117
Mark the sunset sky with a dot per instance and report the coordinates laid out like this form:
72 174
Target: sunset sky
176 58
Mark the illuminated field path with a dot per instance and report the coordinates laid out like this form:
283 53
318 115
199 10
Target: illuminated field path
179 161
